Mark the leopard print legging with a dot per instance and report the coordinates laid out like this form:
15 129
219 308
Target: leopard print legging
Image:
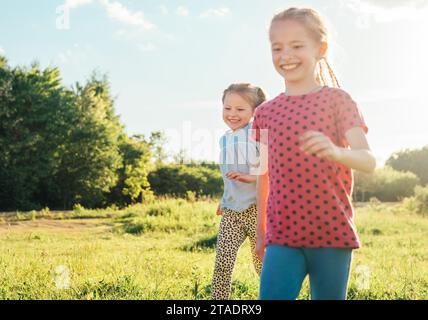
235 227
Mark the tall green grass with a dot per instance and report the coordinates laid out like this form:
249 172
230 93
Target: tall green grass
166 250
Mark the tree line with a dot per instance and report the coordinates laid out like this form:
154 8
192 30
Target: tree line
62 146
403 172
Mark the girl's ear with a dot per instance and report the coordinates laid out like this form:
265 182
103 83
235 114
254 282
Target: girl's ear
323 49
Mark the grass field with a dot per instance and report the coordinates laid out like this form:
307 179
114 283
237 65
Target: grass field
166 251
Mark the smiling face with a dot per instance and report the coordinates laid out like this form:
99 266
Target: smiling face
295 53
237 112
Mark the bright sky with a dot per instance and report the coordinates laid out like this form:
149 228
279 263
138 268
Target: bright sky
169 61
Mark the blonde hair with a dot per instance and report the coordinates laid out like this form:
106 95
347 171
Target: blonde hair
254 95
317 28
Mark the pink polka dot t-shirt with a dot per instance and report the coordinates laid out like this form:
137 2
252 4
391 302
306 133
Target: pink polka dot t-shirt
309 198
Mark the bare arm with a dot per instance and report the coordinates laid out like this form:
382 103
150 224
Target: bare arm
262 200
242 177
359 157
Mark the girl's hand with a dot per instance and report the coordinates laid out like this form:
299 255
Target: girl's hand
241 177
319 145
219 211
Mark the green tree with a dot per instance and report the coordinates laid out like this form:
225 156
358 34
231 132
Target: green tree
181 157
133 185
90 158
419 202
58 147
30 102
415 161
386 184
177 180
157 142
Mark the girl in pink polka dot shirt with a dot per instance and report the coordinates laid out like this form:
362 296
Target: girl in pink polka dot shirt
316 136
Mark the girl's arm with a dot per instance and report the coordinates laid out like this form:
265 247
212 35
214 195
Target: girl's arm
242 177
359 157
262 200
219 211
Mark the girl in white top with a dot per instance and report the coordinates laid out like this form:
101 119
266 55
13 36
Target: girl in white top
239 166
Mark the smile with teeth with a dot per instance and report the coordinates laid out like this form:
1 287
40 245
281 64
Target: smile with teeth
233 120
288 67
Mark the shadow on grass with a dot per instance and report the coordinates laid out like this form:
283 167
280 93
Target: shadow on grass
208 243
239 290
124 287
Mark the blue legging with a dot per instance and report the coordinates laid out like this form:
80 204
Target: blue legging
285 268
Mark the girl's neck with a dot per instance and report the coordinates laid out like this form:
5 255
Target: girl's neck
237 129
301 87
